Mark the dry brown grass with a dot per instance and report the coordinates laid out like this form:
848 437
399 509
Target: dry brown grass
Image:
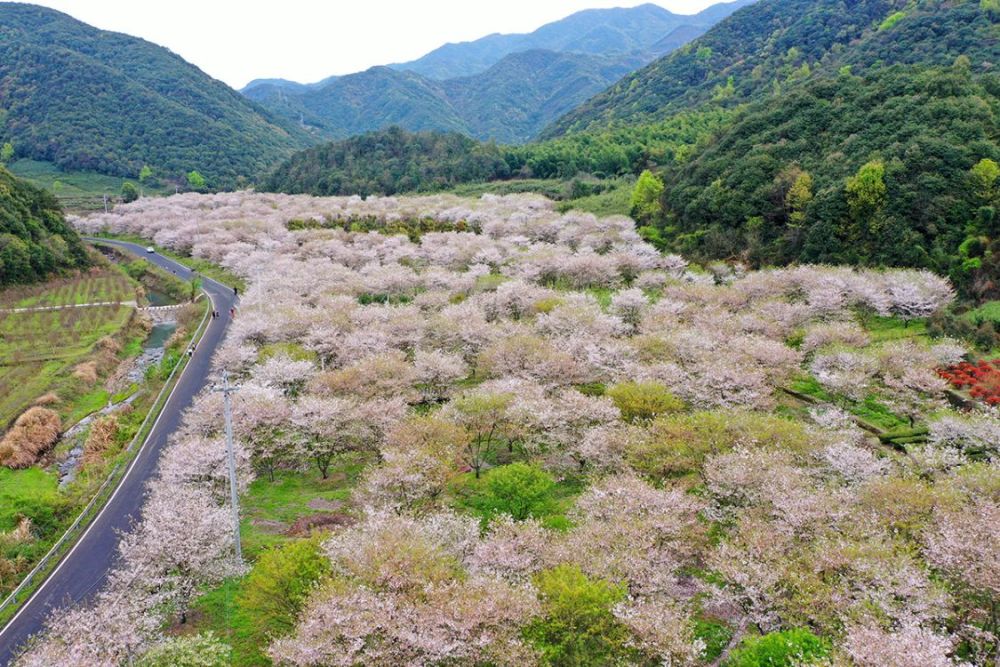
86 372
50 398
109 345
189 316
100 438
34 432
19 535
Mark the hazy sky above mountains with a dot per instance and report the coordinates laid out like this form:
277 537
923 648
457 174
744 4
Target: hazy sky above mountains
308 40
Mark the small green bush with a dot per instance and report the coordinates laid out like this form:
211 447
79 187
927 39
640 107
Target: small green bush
279 583
643 401
788 648
577 627
518 489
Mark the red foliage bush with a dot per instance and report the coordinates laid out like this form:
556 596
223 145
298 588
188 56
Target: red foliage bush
981 379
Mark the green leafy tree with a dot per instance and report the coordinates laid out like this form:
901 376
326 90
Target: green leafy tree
278 586
984 177
202 650
643 401
577 627
145 174
798 197
519 489
195 180
646 195
866 191
129 192
788 648
6 153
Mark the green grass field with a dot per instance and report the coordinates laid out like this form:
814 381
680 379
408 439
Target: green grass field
270 508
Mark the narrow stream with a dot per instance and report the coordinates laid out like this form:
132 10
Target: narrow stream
152 353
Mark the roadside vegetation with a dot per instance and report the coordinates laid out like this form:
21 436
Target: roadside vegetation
68 371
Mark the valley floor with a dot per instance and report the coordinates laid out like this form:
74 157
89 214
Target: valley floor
540 441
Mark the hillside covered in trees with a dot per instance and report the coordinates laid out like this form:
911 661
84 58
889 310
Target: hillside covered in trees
394 160
87 99
35 240
769 47
896 168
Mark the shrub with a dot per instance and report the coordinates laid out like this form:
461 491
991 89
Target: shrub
277 587
518 489
34 432
677 444
577 626
49 398
643 401
788 648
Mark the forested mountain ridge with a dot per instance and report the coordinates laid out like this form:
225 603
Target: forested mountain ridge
393 160
595 31
503 87
85 98
771 45
509 102
35 239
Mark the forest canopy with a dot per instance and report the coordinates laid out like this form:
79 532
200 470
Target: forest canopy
35 240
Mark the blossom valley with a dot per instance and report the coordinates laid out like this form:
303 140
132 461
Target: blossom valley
555 445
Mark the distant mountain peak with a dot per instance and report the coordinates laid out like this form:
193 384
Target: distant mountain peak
630 29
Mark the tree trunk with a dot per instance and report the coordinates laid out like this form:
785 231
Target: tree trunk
733 643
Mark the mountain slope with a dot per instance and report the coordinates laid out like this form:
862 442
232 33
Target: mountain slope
35 240
84 98
517 97
776 43
510 102
593 31
777 186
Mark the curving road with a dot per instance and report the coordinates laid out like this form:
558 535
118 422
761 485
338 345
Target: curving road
84 569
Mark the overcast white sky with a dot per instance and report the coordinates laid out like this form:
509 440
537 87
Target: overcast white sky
308 40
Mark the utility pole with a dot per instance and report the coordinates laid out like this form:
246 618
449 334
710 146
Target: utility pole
227 392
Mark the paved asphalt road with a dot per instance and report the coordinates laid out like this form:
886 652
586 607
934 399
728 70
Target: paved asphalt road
84 570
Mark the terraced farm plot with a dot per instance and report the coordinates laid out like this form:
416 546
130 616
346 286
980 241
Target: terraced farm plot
92 287
39 348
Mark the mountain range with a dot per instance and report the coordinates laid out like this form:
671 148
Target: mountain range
775 44
617 31
501 87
